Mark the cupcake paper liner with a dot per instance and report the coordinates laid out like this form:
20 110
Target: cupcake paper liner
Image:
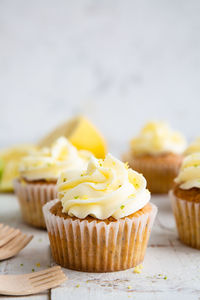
159 176
98 246
187 216
31 198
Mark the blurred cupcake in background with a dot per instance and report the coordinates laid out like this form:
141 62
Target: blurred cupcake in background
193 147
185 198
39 172
9 164
102 219
157 153
79 131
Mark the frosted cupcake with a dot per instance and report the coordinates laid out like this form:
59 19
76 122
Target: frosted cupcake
193 147
185 198
157 153
38 176
102 219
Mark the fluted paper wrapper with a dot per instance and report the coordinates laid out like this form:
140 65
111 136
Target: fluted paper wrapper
31 198
98 246
159 177
187 216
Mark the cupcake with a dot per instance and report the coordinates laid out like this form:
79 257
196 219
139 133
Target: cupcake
157 153
193 147
38 176
102 219
185 199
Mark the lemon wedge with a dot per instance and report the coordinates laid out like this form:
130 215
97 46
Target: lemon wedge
9 165
81 133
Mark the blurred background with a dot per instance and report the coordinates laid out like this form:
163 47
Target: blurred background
118 62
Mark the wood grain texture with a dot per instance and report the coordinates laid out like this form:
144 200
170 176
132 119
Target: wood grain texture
165 257
37 252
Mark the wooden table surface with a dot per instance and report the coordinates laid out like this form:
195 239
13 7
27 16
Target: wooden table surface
171 270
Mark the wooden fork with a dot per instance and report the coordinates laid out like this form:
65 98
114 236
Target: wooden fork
33 283
12 241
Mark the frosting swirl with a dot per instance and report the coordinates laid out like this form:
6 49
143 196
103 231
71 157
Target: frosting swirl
48 163
157 138
193 147
189 175
107 188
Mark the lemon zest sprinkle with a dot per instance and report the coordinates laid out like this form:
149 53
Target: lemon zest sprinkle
138 269
126 165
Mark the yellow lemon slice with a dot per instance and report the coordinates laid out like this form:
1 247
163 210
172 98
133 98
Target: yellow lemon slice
81 133
9 165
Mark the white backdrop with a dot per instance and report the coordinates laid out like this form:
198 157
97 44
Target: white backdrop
119 62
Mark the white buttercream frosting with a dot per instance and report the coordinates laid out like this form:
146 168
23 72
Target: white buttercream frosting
157 138
48 163
189 175
107 188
